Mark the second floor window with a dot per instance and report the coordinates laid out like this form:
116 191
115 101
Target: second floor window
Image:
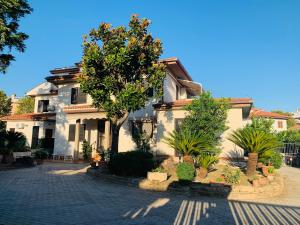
280 124
77 96
43 105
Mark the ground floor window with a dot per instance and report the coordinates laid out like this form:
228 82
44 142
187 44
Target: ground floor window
72 130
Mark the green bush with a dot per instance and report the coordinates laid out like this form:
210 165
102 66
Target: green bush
134 163
185 172
86 150
274 158
159 170
232 175
41 154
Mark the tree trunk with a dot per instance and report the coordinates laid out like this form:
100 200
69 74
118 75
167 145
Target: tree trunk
252 163
116 124
115 138
188 159
202 173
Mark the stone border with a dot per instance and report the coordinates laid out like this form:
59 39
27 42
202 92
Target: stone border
232 192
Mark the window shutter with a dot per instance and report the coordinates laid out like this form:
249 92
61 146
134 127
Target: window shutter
72 128
40 106
74 95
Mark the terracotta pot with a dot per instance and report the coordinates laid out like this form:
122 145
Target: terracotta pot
188 159
202 173
252 163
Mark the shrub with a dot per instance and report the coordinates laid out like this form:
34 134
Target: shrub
134 163
41 154
232 175
185 172
274 158
86 150
206 160
142 141
271 170
289 136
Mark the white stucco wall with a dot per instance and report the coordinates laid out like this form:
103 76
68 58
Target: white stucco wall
26 128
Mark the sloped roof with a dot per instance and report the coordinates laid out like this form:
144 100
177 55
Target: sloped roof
242 102
29 117
255 112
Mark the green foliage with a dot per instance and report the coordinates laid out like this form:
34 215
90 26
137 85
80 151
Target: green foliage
120 66
232 175
262 124
25 105
86 150
41 154
271 170
186 142
142 141
207 117
5 108
10 13
134 163
11 141
271 157
159 170
254 140
289 136
206 160
185 172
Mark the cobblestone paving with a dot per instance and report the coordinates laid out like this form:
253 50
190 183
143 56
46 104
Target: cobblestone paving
64 194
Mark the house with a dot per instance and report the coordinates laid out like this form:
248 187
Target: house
296 116
63 113
280 121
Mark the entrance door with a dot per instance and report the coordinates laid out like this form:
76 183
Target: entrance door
101 132
48 133
35 136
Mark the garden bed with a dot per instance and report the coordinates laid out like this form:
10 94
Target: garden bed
208 186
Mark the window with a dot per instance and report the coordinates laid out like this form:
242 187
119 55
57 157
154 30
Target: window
72 128
177 92
139 127
43 105
280 124
72 131
178 123
77 97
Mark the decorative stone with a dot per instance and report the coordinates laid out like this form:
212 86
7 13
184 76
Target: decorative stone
157 176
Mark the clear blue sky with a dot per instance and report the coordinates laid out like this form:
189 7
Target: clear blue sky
234 48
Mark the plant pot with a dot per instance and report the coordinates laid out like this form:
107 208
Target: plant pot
265 170
188 159
202 173
157 176
252 163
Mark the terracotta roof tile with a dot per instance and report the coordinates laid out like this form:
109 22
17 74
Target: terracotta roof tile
261 113
28 116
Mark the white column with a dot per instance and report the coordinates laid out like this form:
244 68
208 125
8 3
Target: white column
107 134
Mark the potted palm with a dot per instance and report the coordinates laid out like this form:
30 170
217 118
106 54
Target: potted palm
205 161
187 143
40 156
255 142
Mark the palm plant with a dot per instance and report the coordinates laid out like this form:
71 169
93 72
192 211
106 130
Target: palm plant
255 142
15 141
205 161
187 143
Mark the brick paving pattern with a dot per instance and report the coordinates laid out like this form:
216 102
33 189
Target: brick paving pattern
56 193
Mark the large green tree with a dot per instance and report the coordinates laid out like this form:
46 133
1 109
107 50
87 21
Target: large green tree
10 37
207 117
5 107
25 105
120 67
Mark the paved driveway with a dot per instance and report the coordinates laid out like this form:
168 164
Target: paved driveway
63 194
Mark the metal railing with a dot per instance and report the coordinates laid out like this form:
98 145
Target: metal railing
291 152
